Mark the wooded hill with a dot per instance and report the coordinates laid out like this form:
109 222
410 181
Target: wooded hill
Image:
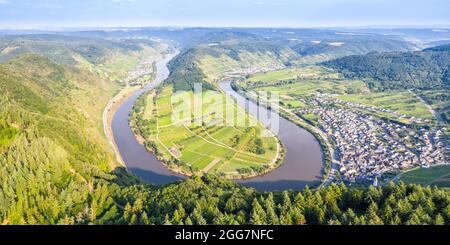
425 69
56 148
111 59
223 53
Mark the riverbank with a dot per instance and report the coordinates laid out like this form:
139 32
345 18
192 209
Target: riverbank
108 115
111 108
302 165
328 151
173 163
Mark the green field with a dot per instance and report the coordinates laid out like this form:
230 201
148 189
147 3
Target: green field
294 84
291 73
436 176
400 102
216 66
221 139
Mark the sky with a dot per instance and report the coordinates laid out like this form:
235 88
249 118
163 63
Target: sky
221 13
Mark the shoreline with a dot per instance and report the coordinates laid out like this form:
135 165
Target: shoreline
108 115
110 111
275 164
328 152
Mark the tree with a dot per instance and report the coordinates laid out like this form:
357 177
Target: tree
258 216
439 220
271 216
372 216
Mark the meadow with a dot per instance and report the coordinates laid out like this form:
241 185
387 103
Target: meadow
402 102
438 176
221 138
216 67
295 84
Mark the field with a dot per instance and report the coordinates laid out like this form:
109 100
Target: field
400 102
220 137
216 67
439 176
291 73
294 84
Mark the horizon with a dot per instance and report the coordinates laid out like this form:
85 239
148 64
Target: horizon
349 27
57 14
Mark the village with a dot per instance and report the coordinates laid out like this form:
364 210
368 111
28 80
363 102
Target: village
368 146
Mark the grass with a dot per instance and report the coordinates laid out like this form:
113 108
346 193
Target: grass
311 118
218 145
310 72
308 80
400 102
309 87
435 176
216 66
305 82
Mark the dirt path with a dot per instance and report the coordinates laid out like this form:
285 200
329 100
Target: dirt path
430 107
211 165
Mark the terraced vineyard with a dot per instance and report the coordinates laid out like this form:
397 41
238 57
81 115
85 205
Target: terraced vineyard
219 138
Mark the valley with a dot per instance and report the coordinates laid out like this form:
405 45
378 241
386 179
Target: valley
222 126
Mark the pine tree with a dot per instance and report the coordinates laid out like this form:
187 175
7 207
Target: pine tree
188 221
271 216
439 220
372 216
258 217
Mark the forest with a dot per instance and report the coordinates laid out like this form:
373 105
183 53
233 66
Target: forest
398 70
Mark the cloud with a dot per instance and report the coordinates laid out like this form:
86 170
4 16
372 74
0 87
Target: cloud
4 2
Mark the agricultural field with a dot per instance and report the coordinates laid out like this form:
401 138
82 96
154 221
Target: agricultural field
291 73
219 138
295 84
401 102
217 67
436 176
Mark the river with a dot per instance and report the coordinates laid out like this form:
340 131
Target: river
302 165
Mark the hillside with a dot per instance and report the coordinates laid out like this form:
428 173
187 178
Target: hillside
328 49
226 54
398 70
111 59
52 146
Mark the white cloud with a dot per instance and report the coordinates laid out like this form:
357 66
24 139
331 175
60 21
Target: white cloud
4 2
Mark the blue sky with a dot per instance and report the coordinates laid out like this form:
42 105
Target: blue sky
287 13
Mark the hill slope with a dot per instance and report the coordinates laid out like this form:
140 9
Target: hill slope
398 70
54 147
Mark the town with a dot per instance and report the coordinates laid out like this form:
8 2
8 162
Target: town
367 146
